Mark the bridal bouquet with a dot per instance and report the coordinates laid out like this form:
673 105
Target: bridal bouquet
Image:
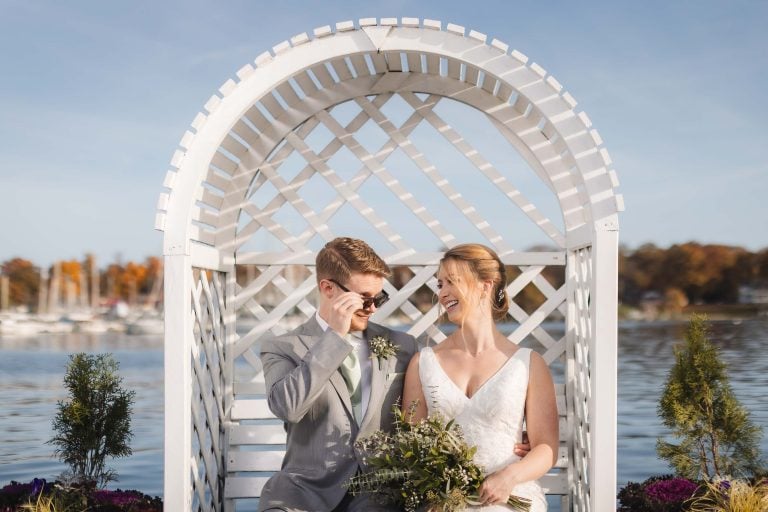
423 464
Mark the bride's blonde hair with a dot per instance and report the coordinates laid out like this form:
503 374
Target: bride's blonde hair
483 264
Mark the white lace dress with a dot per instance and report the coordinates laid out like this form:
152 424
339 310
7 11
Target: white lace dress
492 419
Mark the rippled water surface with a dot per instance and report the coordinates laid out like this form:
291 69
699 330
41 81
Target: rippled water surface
645 356
31 372
31 376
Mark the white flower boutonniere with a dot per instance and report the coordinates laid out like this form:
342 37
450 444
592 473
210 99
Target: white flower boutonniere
382 348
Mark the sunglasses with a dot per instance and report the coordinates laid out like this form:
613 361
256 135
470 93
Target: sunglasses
378 301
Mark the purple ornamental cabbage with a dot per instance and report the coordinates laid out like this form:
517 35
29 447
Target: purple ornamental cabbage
118 498
672 490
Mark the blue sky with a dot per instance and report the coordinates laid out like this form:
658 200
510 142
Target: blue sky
96 95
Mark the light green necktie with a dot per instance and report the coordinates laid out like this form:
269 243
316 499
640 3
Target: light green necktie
352 373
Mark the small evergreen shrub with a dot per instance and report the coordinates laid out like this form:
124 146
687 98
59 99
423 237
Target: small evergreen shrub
95 422
716 435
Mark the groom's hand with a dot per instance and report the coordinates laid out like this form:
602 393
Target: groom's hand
340 311
522 449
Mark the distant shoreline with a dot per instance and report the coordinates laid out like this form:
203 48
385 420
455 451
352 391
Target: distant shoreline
712 311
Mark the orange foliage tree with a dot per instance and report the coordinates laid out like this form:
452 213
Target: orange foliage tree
24 282
129 281
704 273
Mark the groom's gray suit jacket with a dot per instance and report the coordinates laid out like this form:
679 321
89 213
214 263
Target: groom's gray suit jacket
307 391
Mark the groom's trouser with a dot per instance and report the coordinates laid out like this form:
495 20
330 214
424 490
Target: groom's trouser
350 503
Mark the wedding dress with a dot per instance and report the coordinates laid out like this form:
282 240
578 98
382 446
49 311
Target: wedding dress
492 419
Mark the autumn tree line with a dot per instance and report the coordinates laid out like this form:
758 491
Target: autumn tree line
689 273
131 282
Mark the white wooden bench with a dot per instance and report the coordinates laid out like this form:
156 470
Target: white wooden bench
253 425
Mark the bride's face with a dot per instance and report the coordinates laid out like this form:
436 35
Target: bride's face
457 291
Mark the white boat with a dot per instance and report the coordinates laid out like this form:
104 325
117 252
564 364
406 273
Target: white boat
24 324
19 326
145 324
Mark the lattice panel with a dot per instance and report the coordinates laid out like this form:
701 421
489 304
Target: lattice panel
275 298
208 389
312 184
579 386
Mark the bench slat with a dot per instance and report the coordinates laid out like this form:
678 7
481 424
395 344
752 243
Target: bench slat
255 461
272 460
244 486
255 409
256 434
250 388
251 486
554 483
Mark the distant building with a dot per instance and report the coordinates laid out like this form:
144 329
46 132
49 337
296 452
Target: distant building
750 295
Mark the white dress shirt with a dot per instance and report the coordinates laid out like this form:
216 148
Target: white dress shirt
359 344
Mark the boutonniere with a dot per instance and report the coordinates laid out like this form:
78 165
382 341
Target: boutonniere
382 348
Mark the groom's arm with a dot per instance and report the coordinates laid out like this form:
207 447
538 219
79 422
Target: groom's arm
293 387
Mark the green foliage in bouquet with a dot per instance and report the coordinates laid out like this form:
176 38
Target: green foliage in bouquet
716 435
95 422
423 464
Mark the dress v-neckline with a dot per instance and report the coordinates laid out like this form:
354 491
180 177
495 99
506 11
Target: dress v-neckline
483 385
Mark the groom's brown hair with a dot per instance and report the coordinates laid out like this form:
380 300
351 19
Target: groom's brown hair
343 256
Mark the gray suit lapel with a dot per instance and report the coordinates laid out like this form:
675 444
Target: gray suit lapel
378 379
308 337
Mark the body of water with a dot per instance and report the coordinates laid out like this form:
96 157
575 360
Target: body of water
32 370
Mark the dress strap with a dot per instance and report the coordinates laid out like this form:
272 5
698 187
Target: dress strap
524 354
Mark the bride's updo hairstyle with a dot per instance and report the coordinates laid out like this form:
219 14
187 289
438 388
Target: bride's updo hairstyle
483 264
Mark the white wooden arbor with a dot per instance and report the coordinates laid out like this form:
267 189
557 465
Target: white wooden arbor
301 148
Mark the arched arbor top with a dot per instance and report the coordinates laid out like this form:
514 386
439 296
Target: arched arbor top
242 129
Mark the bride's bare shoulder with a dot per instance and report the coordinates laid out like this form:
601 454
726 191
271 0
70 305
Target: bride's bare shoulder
445 346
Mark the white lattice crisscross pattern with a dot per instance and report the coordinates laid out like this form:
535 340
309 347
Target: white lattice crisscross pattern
579 375
208 389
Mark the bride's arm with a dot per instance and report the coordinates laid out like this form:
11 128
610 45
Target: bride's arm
541 416
543 432
413 393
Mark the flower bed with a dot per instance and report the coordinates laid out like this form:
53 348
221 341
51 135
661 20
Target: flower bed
40 495
656 494
669 493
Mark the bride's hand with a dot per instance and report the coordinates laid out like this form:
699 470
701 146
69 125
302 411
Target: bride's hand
497 487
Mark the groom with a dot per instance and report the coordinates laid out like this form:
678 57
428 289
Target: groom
332 380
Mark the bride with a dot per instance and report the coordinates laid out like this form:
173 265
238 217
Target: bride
484 382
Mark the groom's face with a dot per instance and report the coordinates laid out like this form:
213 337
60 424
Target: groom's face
366 285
